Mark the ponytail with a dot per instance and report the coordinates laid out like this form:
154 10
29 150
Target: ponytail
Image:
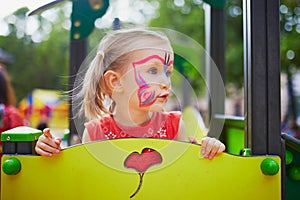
93 96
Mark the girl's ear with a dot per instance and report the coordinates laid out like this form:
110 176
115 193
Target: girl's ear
112 81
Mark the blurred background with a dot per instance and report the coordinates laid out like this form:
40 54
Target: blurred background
35 50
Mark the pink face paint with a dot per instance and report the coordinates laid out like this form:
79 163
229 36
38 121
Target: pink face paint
146 94
167 62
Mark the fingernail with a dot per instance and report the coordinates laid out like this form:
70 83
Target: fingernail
57 151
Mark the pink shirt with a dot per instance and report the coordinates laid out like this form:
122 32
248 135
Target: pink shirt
11 119
162 125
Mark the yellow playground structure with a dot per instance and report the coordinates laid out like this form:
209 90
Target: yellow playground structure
147 168
134 168
98 171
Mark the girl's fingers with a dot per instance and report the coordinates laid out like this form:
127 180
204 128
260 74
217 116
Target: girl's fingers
203 146
216 150
53 142
221 149
193 140
42 152
47 133
46 146
212 147
207 146
58 141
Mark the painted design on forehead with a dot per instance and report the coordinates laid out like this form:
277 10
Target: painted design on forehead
167 62
146 94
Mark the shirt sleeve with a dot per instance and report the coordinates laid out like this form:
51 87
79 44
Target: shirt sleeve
95 129
173 122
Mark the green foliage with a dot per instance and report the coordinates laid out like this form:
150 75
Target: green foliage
45 64
290 33
37 65
188 18
234 55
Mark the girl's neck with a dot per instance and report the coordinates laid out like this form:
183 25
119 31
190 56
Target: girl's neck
133 118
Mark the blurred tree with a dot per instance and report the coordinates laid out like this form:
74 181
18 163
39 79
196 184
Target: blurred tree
290 58
42 55
187 16
41 52
290 32
184 16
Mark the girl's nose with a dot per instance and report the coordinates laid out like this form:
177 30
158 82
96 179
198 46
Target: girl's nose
165 83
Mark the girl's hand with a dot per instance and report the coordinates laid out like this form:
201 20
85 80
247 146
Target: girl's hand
210 147
47 145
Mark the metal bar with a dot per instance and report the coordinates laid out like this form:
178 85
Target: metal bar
273 38
262 79
218 39
78 52
216 47
266 75
259 76
247 72
275 144
262 69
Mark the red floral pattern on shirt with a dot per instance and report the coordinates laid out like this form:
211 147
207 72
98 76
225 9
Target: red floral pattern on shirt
162 125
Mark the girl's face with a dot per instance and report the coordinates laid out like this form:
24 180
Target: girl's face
147 82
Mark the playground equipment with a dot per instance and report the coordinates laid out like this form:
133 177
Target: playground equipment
259 174
137 169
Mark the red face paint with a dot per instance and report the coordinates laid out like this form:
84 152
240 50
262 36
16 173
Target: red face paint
146 94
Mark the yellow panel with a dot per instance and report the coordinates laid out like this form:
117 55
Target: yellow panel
96 171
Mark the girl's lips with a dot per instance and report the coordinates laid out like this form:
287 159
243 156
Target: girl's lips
164 95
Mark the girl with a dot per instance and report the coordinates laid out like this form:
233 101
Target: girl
132 68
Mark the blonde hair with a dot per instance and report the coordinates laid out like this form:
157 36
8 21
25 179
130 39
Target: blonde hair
112 54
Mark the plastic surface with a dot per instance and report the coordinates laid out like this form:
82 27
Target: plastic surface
11 166
98 171
21 133
269 167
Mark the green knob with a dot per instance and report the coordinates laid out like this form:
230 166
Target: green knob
269 167
11 166
293 173
288 157
246 152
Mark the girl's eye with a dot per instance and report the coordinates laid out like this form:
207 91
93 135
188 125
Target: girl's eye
168 73
153 71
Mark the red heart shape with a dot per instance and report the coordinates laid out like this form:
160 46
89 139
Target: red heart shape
141 162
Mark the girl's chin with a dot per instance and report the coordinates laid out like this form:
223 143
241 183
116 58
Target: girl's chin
157 108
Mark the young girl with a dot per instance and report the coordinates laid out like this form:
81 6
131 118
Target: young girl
132 68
